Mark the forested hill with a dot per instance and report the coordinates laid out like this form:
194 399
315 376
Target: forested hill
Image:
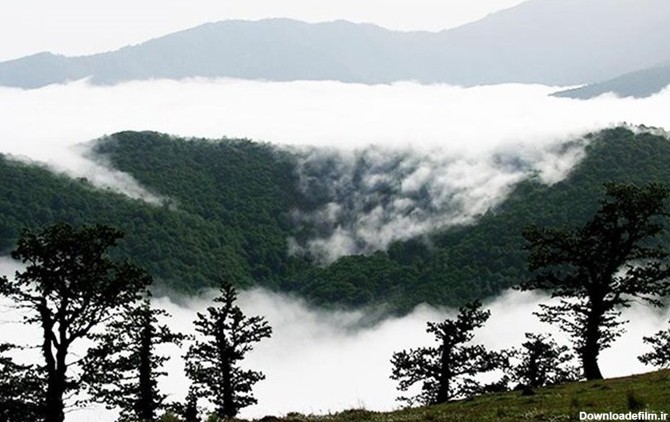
229 209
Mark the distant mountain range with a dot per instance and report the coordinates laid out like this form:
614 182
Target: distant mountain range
640 84
567 42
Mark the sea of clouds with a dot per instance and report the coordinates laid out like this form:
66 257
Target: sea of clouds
391 161
407 158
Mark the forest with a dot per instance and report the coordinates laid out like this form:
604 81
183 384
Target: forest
227 206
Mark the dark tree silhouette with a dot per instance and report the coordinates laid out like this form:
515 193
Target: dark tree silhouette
660 354
188 411
69 287
542 362
212 362
123 369
600 267
446 370
20 390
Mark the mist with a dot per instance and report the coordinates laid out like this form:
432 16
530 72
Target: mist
325 361
388 162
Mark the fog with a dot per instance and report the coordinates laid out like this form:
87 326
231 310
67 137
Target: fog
323 361
409 158
440 154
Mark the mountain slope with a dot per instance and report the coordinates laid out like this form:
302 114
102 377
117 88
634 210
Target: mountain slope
552 42
628 395
230 209
640 84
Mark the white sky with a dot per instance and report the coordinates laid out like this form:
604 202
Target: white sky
83 26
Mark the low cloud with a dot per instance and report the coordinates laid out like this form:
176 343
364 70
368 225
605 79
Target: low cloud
401 159
324 361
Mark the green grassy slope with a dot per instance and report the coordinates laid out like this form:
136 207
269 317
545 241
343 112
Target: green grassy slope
647 392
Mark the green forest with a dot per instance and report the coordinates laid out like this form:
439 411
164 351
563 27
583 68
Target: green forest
227 214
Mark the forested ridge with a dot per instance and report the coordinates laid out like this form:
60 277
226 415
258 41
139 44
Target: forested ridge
228 213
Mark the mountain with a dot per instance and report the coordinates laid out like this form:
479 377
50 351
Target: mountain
567 42
639 84
230 208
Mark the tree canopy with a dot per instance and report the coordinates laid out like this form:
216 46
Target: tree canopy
446 371
69 286
602 266
213 361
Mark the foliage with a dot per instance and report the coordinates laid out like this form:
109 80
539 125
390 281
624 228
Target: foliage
213 361
122 370
188 411
228 204
542 362
447 370
660 354
600 267
69 286
20 390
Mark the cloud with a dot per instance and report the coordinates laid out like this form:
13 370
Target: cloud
388 162
324 361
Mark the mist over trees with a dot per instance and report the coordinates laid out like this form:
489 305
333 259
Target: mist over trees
232 204
601 267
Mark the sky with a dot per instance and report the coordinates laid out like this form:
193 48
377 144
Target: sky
76 27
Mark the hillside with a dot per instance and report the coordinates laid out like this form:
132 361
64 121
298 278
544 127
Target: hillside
230 206
567 42
640 84
647 392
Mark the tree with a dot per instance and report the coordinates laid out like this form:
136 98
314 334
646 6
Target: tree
212 362
542 362
20 388
446 371
69 286
123 369
188 411
660 354
599 268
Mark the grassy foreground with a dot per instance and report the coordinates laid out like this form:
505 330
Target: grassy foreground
650 392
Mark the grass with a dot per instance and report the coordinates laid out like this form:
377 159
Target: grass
650 392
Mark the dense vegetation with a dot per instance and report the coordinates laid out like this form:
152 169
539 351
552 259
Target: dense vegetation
229 207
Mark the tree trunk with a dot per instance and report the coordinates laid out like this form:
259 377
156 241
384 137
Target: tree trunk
54 405
145 405
54 402
55 369
445 376
591 347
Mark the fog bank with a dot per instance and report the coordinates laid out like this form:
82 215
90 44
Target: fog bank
391 161
324 361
